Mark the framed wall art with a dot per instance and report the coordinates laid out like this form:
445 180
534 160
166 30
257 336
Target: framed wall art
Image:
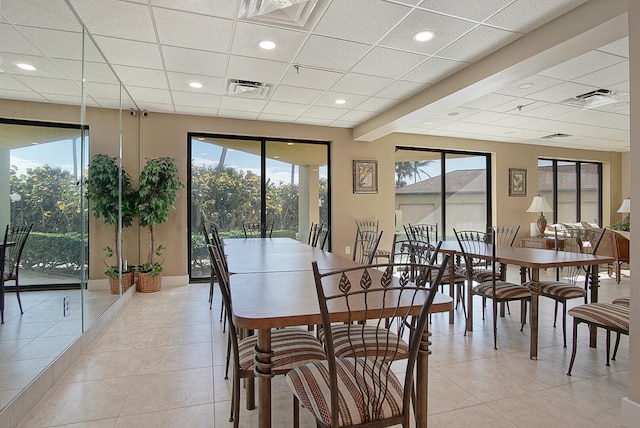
517 182
365 176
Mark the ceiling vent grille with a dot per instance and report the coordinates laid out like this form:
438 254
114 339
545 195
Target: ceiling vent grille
593 99
247 89
556 135
299 14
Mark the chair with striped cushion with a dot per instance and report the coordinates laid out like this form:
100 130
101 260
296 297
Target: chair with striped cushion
291 347
366 233
364 390
478 249
574 281
611 317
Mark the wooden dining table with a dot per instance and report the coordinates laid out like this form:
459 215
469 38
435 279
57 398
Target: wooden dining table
273 287
534 259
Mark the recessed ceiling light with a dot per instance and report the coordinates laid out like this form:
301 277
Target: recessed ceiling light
424 36
526 85
289 144
27 67
267 44
276 157
340 101
195 85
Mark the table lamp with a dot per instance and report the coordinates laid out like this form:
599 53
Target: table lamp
540 205
625 208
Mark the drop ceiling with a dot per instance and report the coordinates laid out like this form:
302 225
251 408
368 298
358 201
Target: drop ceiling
361 51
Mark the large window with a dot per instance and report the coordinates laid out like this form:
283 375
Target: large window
281 184
573 188
447 188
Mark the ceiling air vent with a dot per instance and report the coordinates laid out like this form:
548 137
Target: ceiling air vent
556 135
247 88
593 99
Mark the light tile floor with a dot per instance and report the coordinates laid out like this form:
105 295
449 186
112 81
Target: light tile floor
161 364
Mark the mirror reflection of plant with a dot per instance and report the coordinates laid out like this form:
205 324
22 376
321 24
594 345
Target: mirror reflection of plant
625 226
103 190
158 187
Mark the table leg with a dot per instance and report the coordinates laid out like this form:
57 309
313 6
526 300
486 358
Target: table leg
533 320
422 380
452 286
264 374
595 283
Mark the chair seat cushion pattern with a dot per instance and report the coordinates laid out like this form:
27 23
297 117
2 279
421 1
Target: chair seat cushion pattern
606 315
504 290
291 348
363 340
561 289
621 301
310 384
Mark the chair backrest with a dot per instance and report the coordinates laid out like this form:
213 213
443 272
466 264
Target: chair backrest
505 235
364 250
367 225
313 234
252 230
19 235
478 252
422 232
322 237
375 294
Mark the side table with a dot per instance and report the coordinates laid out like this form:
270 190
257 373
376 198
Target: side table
544 243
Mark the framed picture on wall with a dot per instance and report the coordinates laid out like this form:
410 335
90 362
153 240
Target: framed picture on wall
365 176
517 182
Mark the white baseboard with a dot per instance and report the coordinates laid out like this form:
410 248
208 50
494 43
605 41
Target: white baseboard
630 413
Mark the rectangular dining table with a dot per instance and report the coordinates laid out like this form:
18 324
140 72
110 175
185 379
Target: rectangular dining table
534 259
284 295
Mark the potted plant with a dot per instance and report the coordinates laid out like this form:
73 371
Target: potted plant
158 187
103 190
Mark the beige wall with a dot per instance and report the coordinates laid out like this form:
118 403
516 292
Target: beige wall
166 135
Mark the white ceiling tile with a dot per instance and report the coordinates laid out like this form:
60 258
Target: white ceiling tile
489 101
115 18
328 100
93 71
144 77
539 83
46 86
582 65
156 107
401 89
103 90
478 43
194 61
311 78
589 117
377 104
127 52
210 85
193 31
514 121
446 29
363 21
619 47
21 95
319 112
561 92
238 114
314 121
542 110
9 83
295 95
63 99
44 67
344 124
14 42
330 54
244 104
55 43
526 15
387 62
486 117
607 77
477 11
247 36
270 117
356 116
361 84
148 95
224 9
287 109
457 126
197 111
195 100
40 13
433 70
254 69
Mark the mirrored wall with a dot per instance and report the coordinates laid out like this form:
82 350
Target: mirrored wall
58 108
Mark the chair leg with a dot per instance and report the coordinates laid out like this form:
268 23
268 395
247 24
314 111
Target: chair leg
18 297
226 366
608 345
296 412
555 313
495 323
564 322
523 311
235 401
575 345
615 348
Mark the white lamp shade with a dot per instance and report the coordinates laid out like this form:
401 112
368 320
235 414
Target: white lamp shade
625 207
539 205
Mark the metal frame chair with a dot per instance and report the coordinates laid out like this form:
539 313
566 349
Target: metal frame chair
12 256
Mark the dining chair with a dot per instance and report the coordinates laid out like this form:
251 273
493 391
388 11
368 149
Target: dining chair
573 281
367 228
290 347
364 390
366 246
322 237
254 230
12 256
478 248
422 231
313 234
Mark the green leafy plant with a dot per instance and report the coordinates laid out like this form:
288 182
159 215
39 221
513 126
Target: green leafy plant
624 226
113 270
103 191
158 188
